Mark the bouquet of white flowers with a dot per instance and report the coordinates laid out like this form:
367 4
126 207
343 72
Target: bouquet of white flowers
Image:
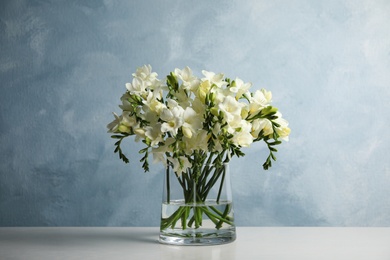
196 118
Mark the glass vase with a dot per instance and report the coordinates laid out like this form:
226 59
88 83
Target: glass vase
197 206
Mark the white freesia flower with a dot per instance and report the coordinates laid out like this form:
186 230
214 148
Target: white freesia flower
188 79
192 122
153 104
283 130
203 90
197 142
217 79
173 119
154 134
136 87
260 99
243 137
171 103
240 88
113 126
159 152
146 75
245 111
183 99
256 128
126 105
198 106
220 94
266 126
231 109
139 132
122 124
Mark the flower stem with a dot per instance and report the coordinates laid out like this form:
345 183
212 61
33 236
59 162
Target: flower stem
221 185
168 185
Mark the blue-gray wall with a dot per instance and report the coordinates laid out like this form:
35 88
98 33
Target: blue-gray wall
63 66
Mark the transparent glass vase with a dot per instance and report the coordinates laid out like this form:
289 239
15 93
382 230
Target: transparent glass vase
197 206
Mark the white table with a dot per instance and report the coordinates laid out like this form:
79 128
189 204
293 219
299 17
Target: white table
141 243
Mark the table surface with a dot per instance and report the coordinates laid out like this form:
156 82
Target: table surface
141 243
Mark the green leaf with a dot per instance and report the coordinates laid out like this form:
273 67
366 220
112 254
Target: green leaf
143 150
118 147
276 142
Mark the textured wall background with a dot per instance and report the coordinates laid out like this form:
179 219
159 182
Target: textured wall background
63 66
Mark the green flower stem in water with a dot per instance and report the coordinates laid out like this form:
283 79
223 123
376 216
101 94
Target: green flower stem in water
196 185
182 213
